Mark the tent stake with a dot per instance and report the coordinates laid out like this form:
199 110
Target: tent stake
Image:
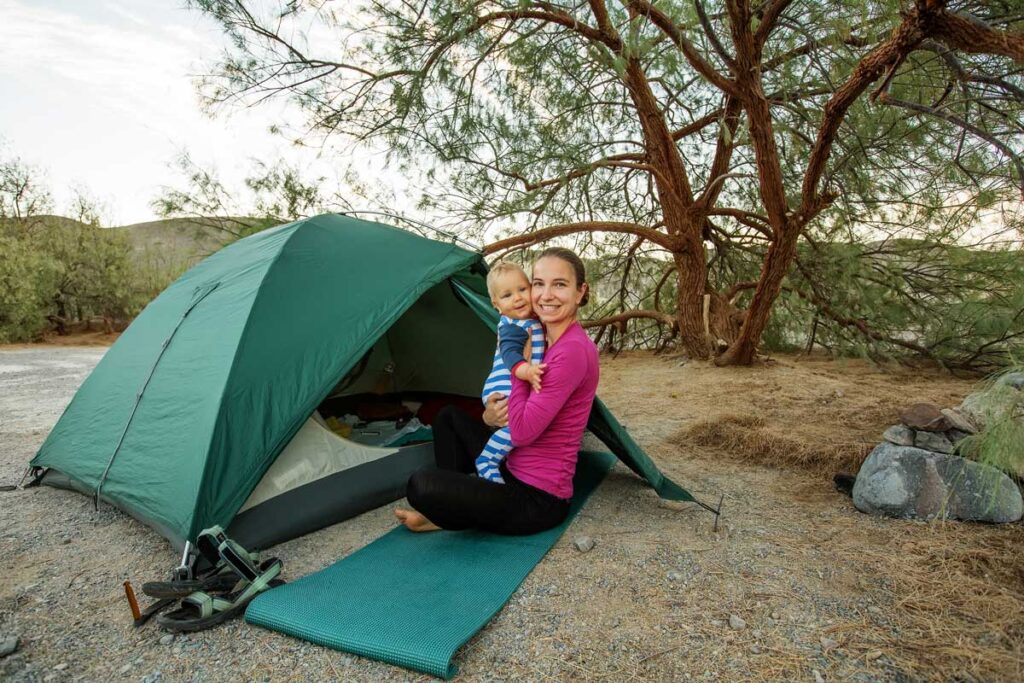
716 511
183 572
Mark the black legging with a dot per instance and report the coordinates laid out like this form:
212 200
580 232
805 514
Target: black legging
452 498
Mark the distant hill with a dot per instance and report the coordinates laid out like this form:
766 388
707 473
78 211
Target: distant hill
172 241
184 239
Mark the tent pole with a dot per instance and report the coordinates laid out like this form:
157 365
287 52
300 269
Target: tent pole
450 235
142 391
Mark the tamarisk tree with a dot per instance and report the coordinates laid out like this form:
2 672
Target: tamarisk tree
696 129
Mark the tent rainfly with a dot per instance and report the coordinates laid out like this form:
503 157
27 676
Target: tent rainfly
205 409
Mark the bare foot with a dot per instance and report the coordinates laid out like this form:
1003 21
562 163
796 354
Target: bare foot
414 521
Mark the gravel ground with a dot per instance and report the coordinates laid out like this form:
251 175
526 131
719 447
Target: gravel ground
775 594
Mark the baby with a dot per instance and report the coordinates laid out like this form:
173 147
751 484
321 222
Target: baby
518 334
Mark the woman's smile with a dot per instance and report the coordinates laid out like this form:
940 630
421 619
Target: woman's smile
555 294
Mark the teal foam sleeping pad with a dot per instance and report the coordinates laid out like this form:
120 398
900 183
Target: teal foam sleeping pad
414 599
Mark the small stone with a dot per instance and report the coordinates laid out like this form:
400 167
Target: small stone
924 417
934 442
959 421
66 541
873 655
775 616
8 645
818 678
829 643
839 393
900 435
675 576
167 640
61 666
755 649
874 610
584 543
736 623
955 436
125 669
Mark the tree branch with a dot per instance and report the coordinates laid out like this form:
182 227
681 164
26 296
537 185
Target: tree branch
970 128
663 318
903 39
550 232
675 34
967 33
712 37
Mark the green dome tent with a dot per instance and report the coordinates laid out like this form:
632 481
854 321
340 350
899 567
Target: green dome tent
204 411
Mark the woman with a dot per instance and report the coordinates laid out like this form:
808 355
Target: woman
547 427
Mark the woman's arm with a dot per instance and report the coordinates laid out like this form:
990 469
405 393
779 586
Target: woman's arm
530 413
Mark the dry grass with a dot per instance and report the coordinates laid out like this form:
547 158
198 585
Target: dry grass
948 597
959 607
749 439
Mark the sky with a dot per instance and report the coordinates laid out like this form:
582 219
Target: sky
100 94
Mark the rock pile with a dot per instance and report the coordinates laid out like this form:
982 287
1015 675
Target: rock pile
915 472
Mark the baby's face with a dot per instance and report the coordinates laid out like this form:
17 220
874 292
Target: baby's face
511 295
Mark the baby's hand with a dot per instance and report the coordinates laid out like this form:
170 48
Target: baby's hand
531 373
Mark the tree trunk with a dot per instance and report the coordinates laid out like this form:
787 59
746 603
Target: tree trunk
676 198
776 265
692 280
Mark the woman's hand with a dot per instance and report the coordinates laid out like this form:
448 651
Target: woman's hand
496 411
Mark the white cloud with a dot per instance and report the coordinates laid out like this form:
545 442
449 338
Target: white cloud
102 94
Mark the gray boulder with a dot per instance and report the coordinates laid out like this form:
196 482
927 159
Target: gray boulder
994 403
911 483
1013 379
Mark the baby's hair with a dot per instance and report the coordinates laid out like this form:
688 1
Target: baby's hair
500 268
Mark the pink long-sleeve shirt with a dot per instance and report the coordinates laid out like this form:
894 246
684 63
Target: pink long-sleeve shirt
547 426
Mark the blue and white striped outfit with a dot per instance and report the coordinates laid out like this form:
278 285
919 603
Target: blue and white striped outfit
500 381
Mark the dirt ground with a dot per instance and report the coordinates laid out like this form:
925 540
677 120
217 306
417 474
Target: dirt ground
822 591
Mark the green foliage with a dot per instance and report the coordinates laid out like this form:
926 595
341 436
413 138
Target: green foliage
61 273
27 279
274 194
1001 442
961 307
55 272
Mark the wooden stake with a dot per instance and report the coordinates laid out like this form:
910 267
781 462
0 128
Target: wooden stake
132 602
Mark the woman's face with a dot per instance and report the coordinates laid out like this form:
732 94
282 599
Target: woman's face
555 294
